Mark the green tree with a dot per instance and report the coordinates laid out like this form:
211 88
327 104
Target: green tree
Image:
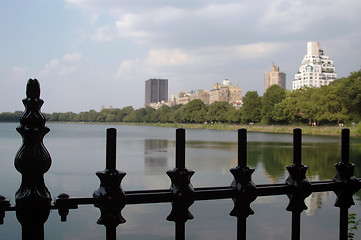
92 116
274 95
191 111
331 107
136 115
218 111
124 112
151 115
288 110
234 116
10 117
164 114
201 116
251 109
175 113
349 91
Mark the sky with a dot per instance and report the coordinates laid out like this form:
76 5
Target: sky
90 53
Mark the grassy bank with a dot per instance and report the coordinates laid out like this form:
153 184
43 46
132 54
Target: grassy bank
319 130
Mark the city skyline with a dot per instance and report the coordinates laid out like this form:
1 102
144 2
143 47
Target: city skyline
85 53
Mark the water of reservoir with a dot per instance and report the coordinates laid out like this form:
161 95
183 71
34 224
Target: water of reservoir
146 153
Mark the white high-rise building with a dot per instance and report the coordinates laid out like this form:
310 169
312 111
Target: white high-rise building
316 70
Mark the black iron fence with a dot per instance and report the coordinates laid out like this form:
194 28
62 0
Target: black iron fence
33 200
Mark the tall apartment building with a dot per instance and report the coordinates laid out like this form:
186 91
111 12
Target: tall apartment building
156 90
316 70
274 77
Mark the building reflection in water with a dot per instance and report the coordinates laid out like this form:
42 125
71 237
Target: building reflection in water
316 199
156 154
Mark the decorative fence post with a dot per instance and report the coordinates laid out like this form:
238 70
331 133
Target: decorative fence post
181 188
32 161
110 196
349 184
243 186
297 179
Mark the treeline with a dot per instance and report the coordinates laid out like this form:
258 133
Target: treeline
339 102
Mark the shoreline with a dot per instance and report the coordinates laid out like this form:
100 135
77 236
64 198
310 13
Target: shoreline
307 130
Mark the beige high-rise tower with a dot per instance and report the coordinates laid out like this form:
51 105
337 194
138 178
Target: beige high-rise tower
274 77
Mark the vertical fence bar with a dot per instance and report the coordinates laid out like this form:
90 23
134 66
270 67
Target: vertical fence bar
343 232
242 162
296 226
345 148
242 147
180 164
180 230
111 233
180 148
300 184
297 156
241 228
345 145
243 187
110 164
111 148
297 146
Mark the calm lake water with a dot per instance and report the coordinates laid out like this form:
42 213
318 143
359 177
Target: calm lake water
146 153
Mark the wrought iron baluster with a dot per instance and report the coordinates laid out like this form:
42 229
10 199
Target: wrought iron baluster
181 188
110 196
33 198
243 186
302 187
349 184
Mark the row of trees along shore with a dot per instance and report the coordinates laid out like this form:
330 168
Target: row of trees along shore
339 102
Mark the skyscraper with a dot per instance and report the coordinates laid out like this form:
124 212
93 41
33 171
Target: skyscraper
316 70
156 90
274 77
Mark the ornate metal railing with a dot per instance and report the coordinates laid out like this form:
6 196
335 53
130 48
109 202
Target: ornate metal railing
33 200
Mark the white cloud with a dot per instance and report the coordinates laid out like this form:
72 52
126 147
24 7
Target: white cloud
211 55
48 68
19 70
103 34
164 57
129 26
127 68
197 68
73 57
67 70
222 11
69 64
